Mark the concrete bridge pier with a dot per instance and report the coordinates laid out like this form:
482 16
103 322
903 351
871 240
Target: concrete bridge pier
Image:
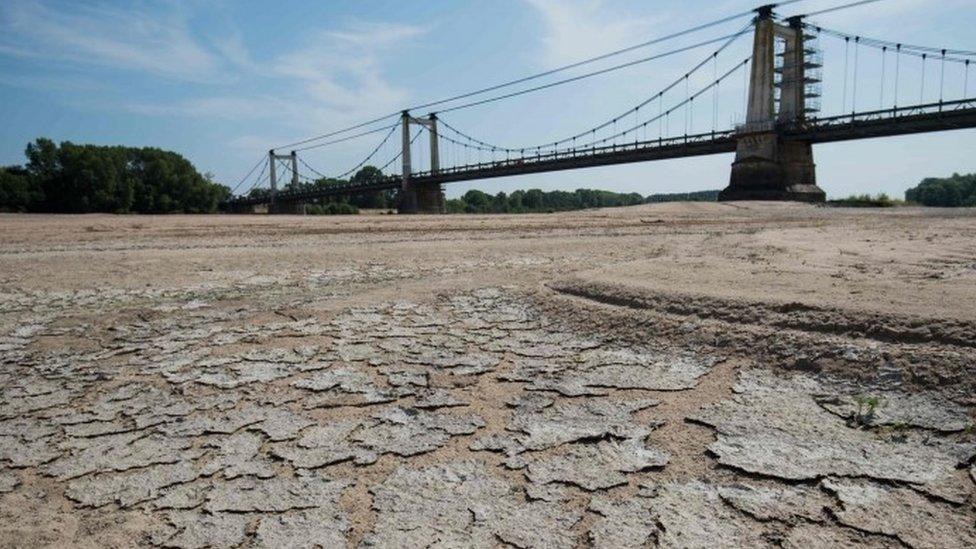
287 208
768 166
421 199
240 208
417 198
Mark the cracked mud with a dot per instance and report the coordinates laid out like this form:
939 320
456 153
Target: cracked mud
478 415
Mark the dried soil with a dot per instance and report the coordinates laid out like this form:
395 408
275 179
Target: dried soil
680 375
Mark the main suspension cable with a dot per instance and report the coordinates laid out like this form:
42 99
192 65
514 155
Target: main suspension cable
840 7
594 73
399 154
536 76
371 155
316 172
729 40
351 137
249 173
562 68
260 178
954 56
727 74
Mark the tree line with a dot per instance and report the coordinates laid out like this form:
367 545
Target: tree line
957 191
71 178
539 201
473 201
697 196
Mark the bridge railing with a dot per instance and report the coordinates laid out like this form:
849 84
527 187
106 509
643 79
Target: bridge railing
756 127
579 152
567 154
884 114
678 141
297 195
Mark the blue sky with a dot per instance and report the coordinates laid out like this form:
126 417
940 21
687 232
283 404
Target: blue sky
222 81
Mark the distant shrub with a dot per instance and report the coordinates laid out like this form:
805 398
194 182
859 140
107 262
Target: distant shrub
332 208
881 200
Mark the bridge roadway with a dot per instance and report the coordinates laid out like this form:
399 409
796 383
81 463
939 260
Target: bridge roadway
930 117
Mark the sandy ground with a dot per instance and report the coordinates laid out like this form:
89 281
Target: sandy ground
679 375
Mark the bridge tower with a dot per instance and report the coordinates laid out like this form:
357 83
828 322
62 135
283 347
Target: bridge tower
420 198
274 207
768 166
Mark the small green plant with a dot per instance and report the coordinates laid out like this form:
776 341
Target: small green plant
866 407
895 432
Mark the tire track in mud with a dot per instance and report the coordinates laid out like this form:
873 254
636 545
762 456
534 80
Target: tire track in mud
751 332
793 315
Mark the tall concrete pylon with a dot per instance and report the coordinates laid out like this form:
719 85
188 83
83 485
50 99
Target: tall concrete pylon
415 198
294 169
273 172
274 207
768 166
435 157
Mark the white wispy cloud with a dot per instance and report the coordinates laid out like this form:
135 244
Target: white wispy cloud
47 82
157 43
334 78
234 50
220 106
577 29
342 69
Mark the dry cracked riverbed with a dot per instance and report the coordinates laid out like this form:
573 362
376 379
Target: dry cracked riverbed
515 394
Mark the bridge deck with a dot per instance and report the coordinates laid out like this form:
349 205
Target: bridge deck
883 123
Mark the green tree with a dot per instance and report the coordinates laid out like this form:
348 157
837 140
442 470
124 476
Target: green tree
369 175
499 203
454 206
89 178
536 200
515 202
42 158
18 190
951 192
476 201
533 200
697 196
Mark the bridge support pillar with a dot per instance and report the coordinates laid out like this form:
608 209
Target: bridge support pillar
421 199
287 208
237 208
767 166
414 197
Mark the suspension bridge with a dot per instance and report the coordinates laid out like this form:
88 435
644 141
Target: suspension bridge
781 81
